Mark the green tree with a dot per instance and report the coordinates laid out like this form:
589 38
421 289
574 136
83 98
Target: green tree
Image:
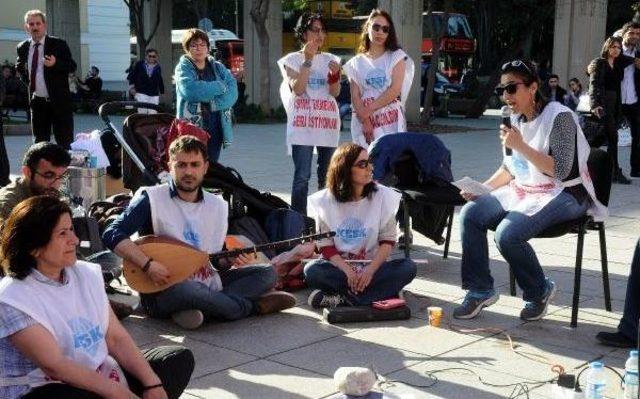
137 21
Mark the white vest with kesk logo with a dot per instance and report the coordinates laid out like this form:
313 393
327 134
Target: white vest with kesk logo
531 190
202 224
373 77
76 314
357 223
313 118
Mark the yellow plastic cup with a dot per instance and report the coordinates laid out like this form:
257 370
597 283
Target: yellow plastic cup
435 315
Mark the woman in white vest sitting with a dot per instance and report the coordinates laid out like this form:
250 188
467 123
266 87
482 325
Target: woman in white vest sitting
311 82
354 269
380 77
542 181
58 335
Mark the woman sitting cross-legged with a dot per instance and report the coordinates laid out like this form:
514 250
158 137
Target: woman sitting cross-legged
58 336
354 269
543 182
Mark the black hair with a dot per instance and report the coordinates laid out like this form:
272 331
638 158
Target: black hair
151 50
305 22
527 71
188 143
630 25
51 152
553 76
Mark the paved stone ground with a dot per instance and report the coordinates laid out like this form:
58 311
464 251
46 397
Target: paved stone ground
294 354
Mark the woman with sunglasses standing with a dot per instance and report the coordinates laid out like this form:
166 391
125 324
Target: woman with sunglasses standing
205 91
354 269
544 181
311 82
605 77
380 77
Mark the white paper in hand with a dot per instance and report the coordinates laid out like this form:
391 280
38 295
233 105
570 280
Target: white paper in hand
474 187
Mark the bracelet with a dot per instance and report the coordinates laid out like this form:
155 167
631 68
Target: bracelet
148 387
147 265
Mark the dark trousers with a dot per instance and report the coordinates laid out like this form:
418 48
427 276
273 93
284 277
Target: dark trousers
173 364
47 115
386 283
611 113
632 113
629 323
4 160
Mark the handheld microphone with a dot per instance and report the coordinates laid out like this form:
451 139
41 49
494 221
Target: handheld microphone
506 120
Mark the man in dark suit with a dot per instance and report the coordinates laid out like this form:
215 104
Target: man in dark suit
44 63
630 91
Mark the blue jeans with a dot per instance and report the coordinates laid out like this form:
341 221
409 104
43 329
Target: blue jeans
214 146
629 324
386 282
512 231
241 288
302 156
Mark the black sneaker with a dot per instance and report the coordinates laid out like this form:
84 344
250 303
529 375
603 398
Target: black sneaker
536 310
319 299
473 304
615 339
619 178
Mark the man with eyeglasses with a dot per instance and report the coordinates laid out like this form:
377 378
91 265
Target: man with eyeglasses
43 169
145 80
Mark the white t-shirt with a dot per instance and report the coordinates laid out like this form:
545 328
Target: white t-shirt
202 224
357 223
313 118
373 77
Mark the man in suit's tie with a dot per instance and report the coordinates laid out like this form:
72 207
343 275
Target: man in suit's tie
44 63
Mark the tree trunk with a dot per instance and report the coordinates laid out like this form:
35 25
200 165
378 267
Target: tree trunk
136 18
436 38
259 12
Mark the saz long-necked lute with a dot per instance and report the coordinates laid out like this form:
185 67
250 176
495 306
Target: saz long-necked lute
183 260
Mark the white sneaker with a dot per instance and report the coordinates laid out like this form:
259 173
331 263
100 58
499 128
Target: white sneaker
188 319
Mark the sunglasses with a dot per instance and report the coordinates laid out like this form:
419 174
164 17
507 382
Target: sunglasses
378 28
516 64
511 88
363 164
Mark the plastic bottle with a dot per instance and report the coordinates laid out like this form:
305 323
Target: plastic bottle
631 376
596 381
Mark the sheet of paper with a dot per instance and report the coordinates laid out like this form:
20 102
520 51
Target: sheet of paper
472 186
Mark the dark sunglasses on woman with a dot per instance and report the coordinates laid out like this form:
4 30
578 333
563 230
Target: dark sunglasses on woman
511 88
363 164
378 27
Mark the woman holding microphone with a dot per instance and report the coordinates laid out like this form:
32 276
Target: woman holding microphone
380 77
544 181
311 82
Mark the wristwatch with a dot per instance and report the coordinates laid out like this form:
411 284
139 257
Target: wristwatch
307 63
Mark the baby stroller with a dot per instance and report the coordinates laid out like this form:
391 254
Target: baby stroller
142 162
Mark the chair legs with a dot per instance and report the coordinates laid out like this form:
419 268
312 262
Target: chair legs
448 237
512 282
577 277
407 229
605 266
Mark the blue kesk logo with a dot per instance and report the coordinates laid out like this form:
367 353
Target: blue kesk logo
520 165
86 335
376 78
316 81
351 231
190 235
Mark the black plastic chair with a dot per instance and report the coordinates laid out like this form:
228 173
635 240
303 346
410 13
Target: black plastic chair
601 173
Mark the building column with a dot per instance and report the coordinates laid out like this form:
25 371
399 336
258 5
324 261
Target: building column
63 21
161 41
407 18
579 31
252 61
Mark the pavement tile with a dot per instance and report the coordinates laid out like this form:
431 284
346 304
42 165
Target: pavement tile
346 351
208 358
262 379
